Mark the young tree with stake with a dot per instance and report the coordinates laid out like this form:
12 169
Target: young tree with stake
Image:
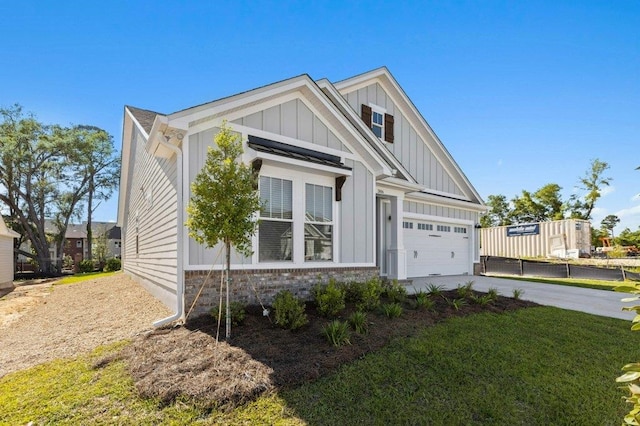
223 202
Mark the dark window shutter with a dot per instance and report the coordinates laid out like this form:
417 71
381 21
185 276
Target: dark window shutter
388 128
366 114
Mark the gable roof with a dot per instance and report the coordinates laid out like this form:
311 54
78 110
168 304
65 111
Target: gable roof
392 88
144 117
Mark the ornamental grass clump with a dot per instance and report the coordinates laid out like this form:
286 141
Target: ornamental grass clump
423 301
392 310
330 298
289 311
337 333
434 290
358 321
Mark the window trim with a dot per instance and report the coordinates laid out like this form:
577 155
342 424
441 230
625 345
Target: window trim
299 180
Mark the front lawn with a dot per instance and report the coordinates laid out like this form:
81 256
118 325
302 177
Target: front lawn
572 282
533 366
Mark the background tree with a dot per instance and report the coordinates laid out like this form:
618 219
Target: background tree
608 223
592 182
543 205
100 166
498 214
223 202
42 177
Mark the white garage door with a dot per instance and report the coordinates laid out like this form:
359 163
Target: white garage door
435 248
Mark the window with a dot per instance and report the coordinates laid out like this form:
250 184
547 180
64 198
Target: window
425 226
460 230
318 220
275 232
407 225
444 228
379 121
117 244
79 244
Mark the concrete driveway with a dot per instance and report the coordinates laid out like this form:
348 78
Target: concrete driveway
596 302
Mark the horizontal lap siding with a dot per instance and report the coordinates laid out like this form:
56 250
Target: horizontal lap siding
6 261
408 147
153 211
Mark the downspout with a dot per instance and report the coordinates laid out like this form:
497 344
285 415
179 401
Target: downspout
180 243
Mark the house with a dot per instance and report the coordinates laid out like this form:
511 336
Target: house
7 258
354 182
76 242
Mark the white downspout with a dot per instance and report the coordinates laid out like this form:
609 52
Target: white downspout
180 237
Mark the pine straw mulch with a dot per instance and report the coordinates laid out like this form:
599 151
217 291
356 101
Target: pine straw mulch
185 362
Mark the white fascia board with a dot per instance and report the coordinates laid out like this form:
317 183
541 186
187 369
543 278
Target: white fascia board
192 116
395 183
446 202
125 155
298 88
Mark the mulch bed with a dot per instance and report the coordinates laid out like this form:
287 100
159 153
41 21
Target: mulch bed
187 362
303 355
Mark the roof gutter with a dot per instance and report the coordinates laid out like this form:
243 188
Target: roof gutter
179 314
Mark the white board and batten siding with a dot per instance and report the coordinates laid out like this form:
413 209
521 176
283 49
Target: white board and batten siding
575 233
151 230
356 211
408 147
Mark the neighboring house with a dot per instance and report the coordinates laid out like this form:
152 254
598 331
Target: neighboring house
354 182
76 242
7 258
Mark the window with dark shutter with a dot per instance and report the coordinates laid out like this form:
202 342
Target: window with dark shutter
366 114
388 128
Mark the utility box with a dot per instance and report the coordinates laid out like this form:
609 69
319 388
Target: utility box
567 238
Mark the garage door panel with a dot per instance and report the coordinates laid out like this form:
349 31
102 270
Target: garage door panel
442 250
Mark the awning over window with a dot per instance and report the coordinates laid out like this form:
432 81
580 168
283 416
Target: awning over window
296 152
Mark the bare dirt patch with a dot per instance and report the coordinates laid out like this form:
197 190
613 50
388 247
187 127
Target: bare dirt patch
21 299
76 318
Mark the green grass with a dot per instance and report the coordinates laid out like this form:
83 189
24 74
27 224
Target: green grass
535 366
73 279
572 282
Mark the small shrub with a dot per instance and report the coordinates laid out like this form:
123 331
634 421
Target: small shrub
289 311
392 310
423 301
337 333
330 298
85 266
236 309
113 264
395 291
434 290
365 295
358 321
517 293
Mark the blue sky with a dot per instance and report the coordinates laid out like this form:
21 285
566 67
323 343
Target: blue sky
521 93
